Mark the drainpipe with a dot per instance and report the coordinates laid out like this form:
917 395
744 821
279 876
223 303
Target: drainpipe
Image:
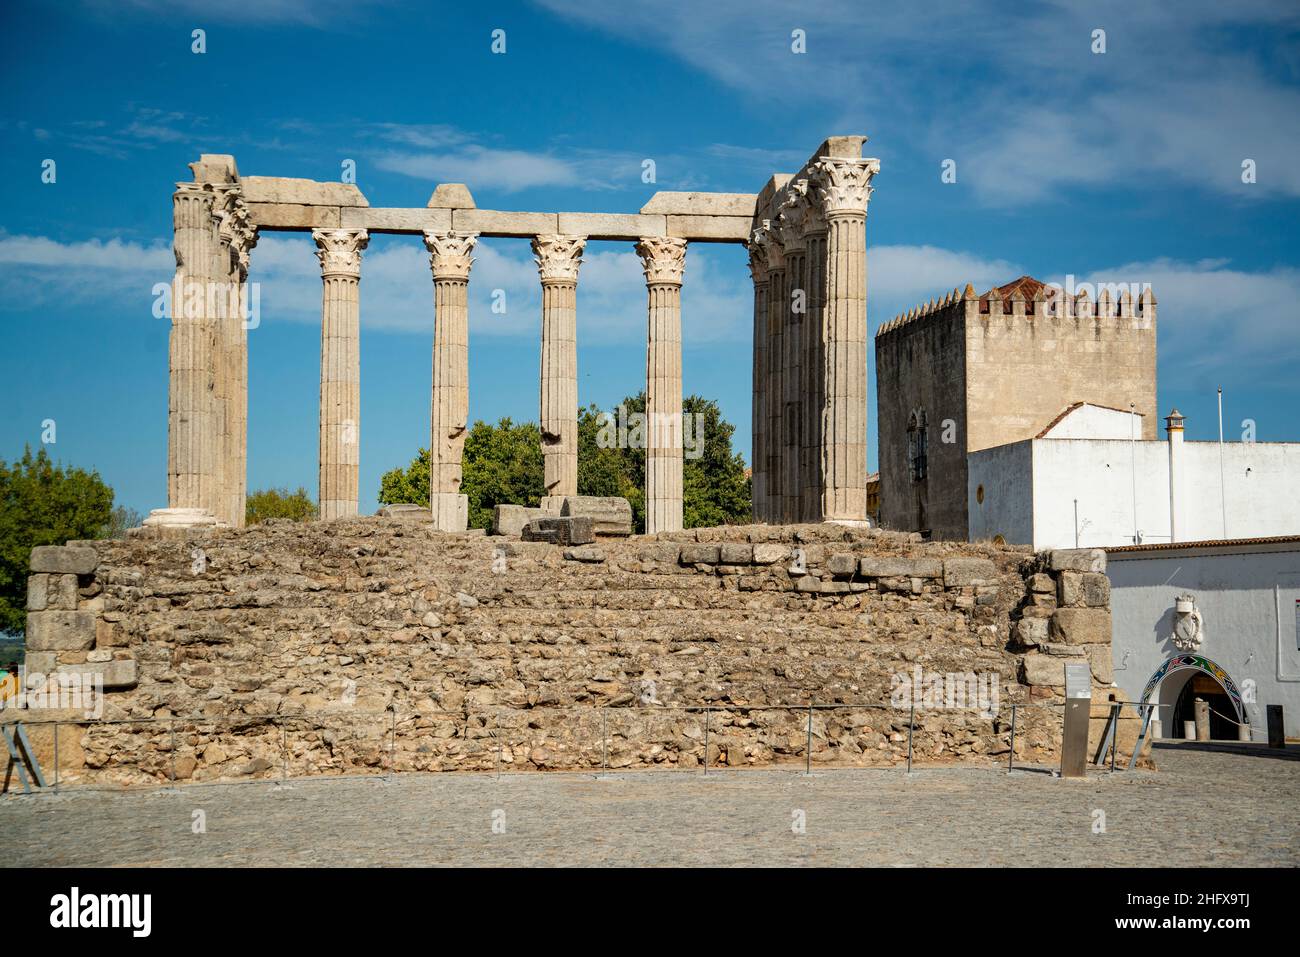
1177 498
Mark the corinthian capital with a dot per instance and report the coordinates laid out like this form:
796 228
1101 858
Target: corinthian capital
234 225
663 258
793 214
449 253
339 251
844 185
558 257
758 243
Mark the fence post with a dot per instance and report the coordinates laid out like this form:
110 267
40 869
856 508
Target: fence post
1011 754
56 755
911 720
706 740
808 751
392 744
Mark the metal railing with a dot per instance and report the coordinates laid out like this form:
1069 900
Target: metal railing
492 729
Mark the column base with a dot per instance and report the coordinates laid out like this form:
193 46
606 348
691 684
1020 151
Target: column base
179 522
552 503
850 522
450 511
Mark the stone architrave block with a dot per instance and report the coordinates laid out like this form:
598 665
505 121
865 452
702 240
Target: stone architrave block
842 564
610 516
1069 589
736 553
37 592
1077 560
559 530
1081 626
117 674
700 554
406 513
60 631
963 572
64 559
511 519
1047 670
900 568
768 554
1096 590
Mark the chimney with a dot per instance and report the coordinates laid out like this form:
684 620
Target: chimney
1177 496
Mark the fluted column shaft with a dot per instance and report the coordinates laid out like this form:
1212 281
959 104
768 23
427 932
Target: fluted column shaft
664 260
843 187
237 236
558 259
814 380
758 417
339 252
844 415
450 260
193 438
775 441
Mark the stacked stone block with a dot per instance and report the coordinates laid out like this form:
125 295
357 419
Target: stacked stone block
293 642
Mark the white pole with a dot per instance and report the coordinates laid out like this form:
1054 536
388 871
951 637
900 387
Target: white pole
1223 497
1132 431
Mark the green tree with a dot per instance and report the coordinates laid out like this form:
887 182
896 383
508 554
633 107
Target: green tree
120 520
503 465
279 503
43 503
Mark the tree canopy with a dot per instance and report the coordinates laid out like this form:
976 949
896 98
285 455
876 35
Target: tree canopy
503 465
44 503
279 503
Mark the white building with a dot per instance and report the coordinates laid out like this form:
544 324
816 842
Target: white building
1086 481
1216 620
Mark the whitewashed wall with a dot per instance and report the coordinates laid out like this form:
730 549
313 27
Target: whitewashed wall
1003 478
1261 483
1247 597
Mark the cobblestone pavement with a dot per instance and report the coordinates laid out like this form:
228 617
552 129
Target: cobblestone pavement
1201 808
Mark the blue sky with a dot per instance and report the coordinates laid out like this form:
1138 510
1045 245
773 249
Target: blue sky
1123 165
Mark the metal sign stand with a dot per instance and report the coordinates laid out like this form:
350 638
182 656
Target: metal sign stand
22 757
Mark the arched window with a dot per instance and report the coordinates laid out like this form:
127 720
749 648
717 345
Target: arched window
918 444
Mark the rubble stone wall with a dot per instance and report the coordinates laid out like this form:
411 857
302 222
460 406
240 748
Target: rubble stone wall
369 644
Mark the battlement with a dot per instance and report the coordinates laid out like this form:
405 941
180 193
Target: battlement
1027 298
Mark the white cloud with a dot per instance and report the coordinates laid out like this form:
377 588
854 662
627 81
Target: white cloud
507 170
1014 93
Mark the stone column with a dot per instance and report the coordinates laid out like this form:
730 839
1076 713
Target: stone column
814 374
450 259
758 416
843 189
789 226
777 290
192 440
238 236
339 252
664 260
558 259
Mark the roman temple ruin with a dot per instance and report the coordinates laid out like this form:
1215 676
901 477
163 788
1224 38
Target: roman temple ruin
805 234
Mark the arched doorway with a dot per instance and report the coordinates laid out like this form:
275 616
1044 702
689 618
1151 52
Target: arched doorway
1184 678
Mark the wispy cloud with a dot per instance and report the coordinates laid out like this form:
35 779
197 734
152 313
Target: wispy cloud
1014 94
